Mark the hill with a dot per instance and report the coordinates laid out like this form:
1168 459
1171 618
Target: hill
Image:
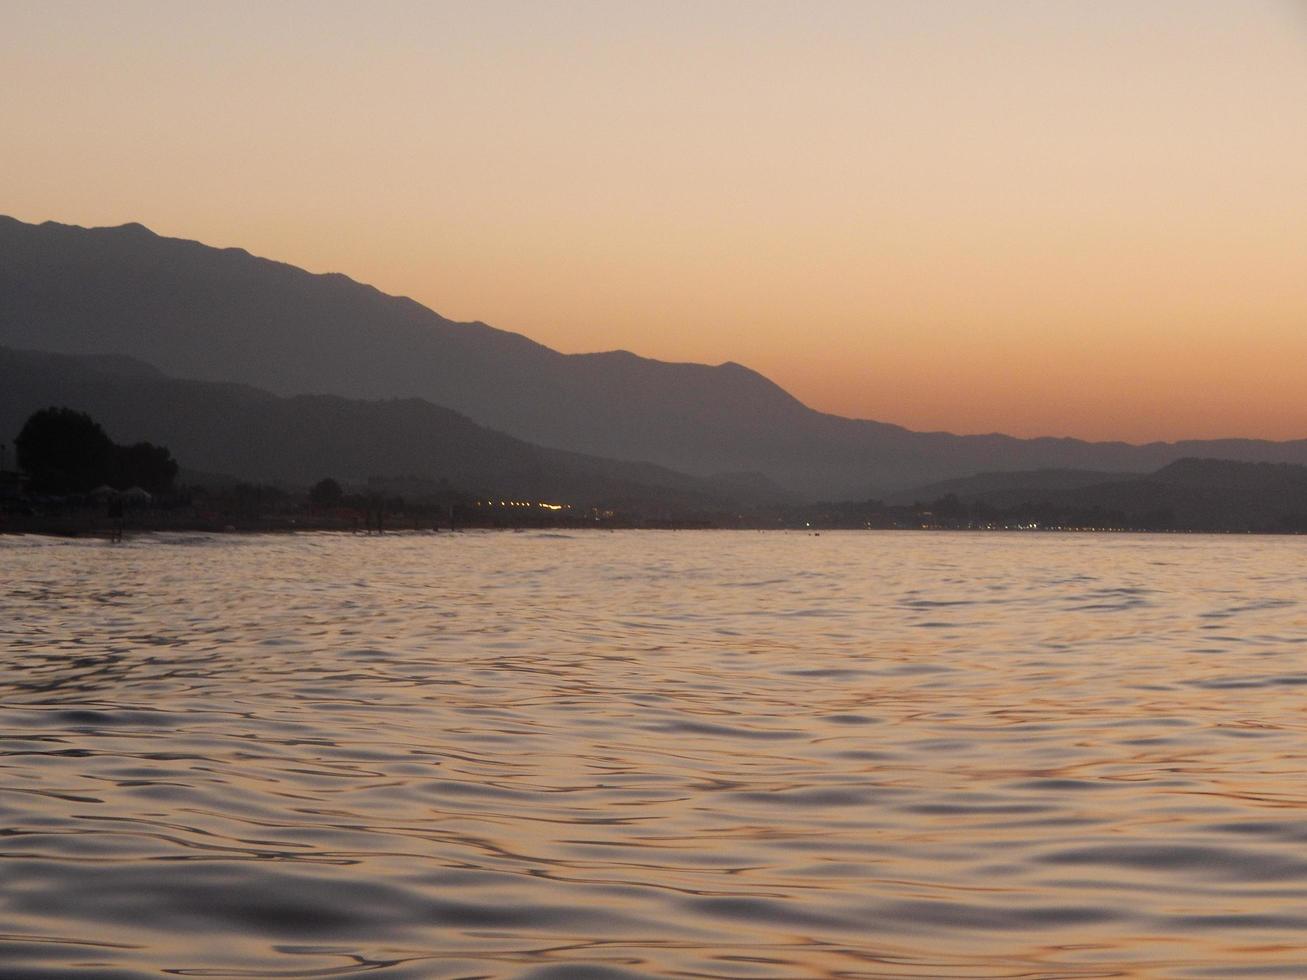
1189 494
225 315
995 485
249 433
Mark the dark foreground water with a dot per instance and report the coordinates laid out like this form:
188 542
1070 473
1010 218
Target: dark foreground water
681 754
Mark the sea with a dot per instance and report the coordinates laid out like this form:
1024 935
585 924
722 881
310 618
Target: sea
607 755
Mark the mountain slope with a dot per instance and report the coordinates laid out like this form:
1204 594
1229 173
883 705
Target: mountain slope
1022 481
1208 494
255 435
224 315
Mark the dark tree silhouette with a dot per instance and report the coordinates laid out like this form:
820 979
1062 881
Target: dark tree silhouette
326 493
64 451
144 465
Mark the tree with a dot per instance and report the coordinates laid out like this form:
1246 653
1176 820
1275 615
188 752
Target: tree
64 451
144 465
326 493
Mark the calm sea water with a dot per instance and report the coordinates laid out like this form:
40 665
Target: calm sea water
682 754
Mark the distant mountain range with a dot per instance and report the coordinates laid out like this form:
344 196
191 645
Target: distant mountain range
224 315
244 432
995 486
1202 494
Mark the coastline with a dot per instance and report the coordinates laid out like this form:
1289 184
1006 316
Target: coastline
103 530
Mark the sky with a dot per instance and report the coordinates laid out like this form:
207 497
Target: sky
1040 217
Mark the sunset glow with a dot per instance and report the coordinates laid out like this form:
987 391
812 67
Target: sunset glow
1039 218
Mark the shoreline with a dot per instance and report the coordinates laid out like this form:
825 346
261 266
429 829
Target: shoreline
62 530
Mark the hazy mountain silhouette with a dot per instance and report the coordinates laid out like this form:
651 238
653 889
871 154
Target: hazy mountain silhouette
245 432
1208 494
1019 481
224 315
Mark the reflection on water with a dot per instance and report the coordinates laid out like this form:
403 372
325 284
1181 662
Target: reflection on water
615 755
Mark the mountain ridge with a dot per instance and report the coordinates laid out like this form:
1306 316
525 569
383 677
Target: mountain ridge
214 314
1190 493
245 432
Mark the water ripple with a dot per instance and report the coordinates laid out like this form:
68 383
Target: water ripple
624 755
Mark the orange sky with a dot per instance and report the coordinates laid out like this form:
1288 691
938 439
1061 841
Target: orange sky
1043 217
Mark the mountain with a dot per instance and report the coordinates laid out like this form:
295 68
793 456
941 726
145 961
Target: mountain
991 485
1204 494
225 315
249 433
